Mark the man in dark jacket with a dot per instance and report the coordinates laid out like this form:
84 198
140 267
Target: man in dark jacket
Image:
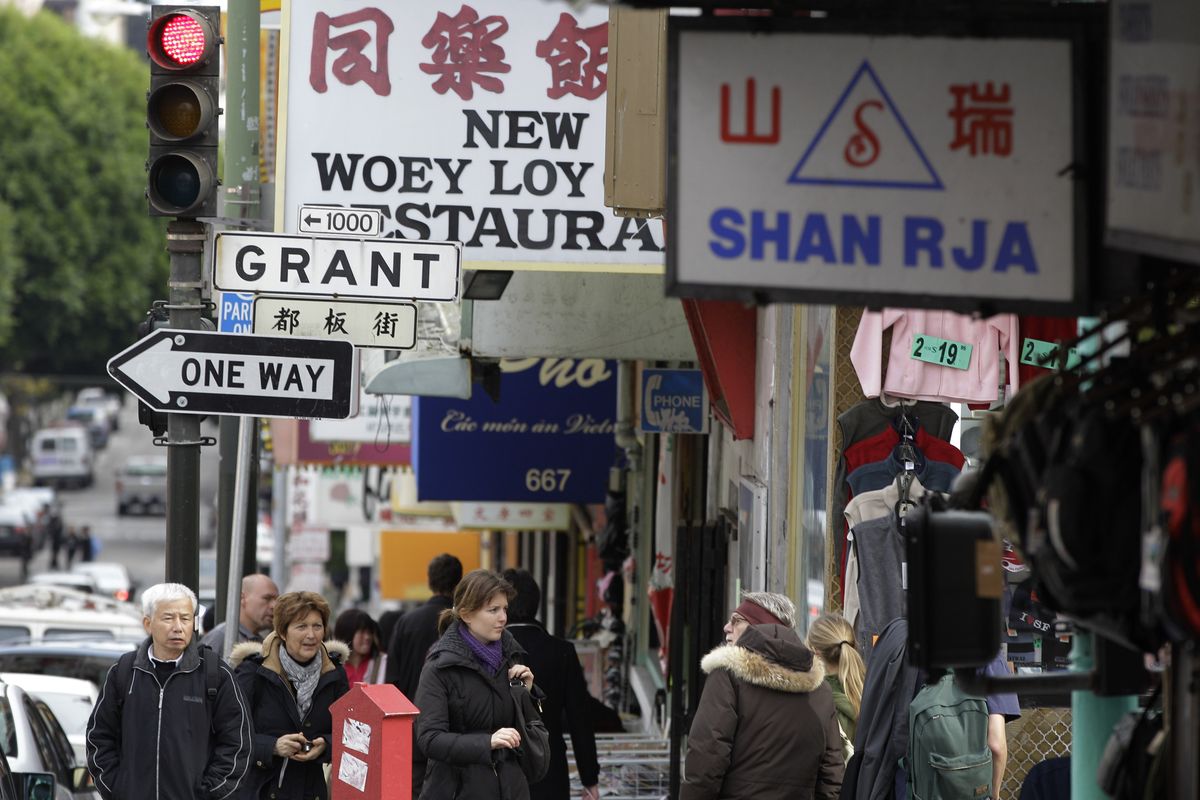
766 726
161 736
414 634
560 676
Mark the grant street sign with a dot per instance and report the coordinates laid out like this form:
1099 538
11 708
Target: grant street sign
389 325
334 266
198 372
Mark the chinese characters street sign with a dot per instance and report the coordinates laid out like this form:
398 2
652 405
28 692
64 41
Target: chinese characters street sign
330 266
389 325
481 122
913 171
199 372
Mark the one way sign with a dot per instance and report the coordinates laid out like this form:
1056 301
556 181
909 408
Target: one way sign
197 372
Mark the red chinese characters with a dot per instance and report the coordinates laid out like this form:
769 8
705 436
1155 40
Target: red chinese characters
353 64
982 119
578 59
465 53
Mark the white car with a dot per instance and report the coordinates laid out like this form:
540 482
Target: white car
71 580
111 578
37 743
63 455
95 397
71 700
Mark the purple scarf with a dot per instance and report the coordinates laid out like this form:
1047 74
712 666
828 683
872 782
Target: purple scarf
490 655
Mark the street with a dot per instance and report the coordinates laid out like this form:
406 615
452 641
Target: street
138 542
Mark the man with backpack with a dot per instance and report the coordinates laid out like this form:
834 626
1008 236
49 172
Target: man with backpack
170 722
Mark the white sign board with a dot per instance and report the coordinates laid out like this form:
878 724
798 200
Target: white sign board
479 123
1154 127
329 266
818 167
308 544
512 516
366 222
389 325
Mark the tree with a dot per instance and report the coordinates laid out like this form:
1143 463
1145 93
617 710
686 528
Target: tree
80 259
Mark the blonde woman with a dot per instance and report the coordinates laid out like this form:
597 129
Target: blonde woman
831 638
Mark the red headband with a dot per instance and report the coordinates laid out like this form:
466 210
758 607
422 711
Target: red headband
757 615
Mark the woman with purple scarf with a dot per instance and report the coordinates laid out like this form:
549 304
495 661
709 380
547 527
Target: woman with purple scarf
467 727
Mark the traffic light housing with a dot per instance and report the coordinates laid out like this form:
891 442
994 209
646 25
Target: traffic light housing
182 109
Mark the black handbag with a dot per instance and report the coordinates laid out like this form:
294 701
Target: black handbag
534 752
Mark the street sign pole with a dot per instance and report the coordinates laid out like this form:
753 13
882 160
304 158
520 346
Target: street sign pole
185 245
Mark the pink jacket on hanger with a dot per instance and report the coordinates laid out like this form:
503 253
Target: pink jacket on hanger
909 377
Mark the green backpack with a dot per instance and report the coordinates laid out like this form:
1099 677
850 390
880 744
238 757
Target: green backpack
948 756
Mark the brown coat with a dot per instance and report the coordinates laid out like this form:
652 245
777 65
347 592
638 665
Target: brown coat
766 726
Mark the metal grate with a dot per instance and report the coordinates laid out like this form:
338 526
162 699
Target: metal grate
1039 734
632 767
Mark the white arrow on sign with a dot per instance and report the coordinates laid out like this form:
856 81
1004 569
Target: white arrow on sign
198 372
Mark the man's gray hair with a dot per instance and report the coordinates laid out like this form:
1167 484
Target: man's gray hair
781 606
166 593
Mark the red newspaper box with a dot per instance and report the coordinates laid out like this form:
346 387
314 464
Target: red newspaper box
372 744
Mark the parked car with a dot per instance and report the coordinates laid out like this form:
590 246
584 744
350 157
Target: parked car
88 660
62 456
111 578
33 613
71 580
18 532
95 397
71 700
96 422
142 486
36 742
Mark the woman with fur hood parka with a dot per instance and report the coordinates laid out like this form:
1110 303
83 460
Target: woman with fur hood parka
766 726
289 681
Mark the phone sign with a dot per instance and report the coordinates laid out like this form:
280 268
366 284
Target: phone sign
674 401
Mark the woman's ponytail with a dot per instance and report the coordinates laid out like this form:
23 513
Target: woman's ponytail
832 639
445 618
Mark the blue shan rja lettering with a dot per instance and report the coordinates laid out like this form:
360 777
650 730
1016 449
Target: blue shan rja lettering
782 236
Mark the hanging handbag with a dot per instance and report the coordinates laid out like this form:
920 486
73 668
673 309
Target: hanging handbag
534 752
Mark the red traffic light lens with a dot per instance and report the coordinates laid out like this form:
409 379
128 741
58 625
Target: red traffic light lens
183 40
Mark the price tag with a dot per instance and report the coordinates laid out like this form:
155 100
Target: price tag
1037 353
943 352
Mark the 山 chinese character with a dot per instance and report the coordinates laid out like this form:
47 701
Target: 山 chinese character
385 323
352 65
286 319
335 322
578 59
464 51
982 119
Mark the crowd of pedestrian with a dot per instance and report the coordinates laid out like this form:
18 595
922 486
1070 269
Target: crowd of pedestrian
779 716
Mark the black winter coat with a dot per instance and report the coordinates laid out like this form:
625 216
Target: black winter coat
272 702
461 707
159 744
414 634
556 669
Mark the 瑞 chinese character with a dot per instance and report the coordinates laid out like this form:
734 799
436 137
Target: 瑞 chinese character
335 322
352 64
982 119
286 319
385 323
578 59
464 51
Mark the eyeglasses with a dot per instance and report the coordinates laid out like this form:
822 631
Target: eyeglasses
736 619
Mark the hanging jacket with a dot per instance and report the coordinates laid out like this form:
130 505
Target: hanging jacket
910 377
272 702
461 707
766 726
161 741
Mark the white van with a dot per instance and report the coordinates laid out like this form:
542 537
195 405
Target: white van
39 613
63 456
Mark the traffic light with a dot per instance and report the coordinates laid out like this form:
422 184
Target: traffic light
182 109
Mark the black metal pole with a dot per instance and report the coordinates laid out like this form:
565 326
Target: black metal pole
185 244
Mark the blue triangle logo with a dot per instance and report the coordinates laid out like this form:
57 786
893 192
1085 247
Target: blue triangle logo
866 142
